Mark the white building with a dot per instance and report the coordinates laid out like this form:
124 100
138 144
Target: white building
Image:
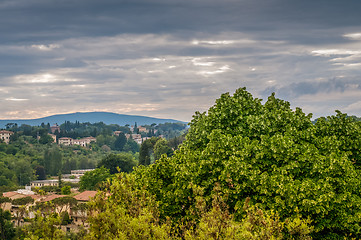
65 141
5 135
80 172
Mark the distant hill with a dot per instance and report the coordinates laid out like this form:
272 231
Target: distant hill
92 117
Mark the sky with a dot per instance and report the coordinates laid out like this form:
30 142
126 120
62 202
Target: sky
171 58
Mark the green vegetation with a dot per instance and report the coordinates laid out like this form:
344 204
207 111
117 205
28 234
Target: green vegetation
121 162
7 229
32 154
304 174
93 179
245 170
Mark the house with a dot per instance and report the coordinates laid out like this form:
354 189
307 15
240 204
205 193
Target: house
51 197
54 128
142 129
79 214
66 141
51 182
137 138
19 212
84 141
116 133
85 196
80 172
5 135
42 183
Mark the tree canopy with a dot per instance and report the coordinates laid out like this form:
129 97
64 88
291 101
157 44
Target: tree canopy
91 180
124 161
269 153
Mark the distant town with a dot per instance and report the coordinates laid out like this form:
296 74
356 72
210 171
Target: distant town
58 168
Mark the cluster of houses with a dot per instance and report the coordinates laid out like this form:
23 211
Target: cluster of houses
137 138
66 141
27 210
22 210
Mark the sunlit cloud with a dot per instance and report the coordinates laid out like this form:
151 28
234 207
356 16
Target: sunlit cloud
155 71
330 52
353 36
16 99
218 71
159 59
36 78
45 77
46 47
223 42
197 62
351 65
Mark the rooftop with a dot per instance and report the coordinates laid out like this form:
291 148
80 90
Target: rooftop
85 196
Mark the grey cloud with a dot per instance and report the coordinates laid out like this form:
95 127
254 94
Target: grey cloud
52 20
159 56
329 86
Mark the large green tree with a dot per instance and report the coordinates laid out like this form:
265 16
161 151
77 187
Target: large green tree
271 153
120 142
146 152
91 180
52 160
124 161
162 147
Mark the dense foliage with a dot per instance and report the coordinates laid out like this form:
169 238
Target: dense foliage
7 230
121 162
266 152
246 170
92 180
33 155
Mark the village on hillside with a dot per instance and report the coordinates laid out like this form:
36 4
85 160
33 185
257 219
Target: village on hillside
49 180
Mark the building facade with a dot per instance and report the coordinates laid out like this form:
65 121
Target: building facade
5 135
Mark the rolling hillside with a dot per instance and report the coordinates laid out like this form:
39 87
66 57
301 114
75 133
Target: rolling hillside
92 117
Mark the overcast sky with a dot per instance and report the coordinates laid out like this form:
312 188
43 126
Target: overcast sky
170 58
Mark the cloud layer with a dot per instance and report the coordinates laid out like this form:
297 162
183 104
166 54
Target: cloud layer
171 58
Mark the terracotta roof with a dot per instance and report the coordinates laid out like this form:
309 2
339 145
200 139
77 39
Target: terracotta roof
35 196
51 197
14 195
85 196
6 131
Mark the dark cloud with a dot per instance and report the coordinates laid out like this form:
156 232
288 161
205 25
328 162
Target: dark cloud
157 56
37 20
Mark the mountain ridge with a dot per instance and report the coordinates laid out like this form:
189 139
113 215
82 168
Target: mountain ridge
92 117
